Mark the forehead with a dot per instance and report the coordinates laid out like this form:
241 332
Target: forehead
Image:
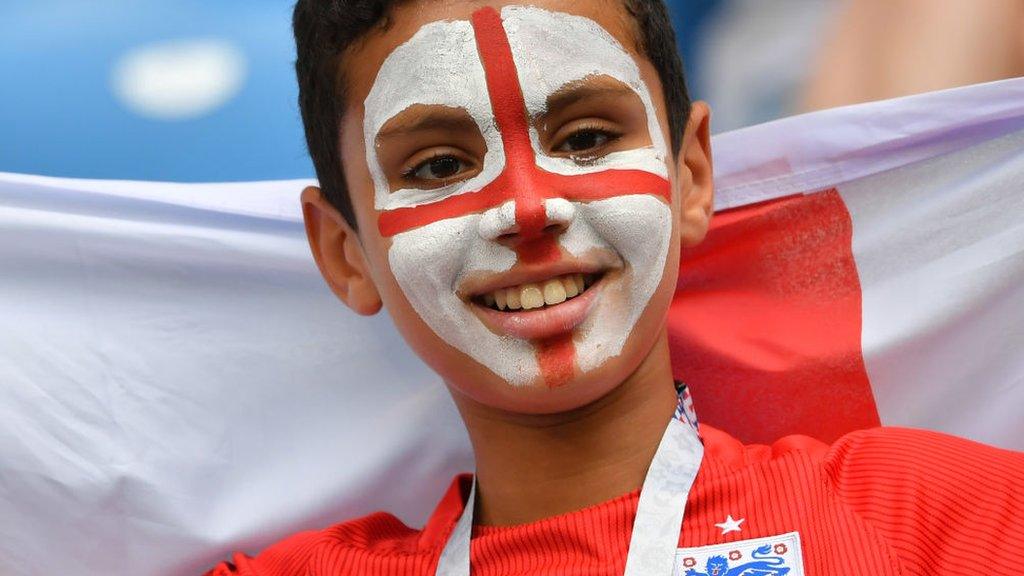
443 41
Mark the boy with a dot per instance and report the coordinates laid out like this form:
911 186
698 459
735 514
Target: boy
514 182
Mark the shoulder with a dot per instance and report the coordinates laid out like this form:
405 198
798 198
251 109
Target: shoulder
378 534
376 544
904 457
289 556
937 499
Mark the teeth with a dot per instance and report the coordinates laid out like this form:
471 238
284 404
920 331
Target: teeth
570 287
514 300
533 296
554 292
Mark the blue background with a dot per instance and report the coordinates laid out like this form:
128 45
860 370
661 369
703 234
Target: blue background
60 117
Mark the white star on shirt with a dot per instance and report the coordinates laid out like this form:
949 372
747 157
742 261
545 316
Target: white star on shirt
730 525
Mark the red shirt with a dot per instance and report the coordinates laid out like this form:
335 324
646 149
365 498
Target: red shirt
877 502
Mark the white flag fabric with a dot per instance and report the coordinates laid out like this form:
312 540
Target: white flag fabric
176 382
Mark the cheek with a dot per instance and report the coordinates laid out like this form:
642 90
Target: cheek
427 261
428 264
639 229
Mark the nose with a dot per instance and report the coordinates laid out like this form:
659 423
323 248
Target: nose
506 223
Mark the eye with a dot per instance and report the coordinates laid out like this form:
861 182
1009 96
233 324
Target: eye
440 167
585 140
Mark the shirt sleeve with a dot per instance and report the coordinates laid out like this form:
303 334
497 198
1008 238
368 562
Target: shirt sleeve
289 557
945 505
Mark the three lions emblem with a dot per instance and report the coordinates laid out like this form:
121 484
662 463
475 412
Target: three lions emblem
772 556
764 564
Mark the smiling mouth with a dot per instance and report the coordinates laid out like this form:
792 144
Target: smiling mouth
537 295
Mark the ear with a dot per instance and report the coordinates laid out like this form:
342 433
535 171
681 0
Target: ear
696 177
339 254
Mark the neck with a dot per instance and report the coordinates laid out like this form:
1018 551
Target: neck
531 467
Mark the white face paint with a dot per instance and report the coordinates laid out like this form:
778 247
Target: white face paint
552 50
441 65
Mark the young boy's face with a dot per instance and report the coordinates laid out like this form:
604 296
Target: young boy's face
520 212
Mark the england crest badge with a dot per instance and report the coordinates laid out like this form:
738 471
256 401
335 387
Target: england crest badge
772 556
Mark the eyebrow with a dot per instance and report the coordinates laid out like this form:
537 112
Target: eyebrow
585 90
440 118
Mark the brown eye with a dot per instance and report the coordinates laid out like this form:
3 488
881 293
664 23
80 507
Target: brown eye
438 168
585 140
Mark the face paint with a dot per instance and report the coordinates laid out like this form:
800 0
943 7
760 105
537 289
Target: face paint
501 70
440 66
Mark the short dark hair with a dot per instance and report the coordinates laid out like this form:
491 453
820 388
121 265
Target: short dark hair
325 29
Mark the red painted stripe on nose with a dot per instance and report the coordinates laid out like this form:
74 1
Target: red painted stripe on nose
525 182
507 101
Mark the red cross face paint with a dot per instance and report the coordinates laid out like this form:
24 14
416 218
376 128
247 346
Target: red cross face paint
539 262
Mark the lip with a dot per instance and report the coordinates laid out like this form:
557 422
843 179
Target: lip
544 322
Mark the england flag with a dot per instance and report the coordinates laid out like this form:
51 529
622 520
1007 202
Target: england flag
177 381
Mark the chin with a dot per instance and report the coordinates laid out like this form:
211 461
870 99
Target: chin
582 388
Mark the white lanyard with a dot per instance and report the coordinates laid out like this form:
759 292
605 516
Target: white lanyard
659 514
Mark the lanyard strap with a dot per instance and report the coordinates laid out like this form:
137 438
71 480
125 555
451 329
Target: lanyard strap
659 514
